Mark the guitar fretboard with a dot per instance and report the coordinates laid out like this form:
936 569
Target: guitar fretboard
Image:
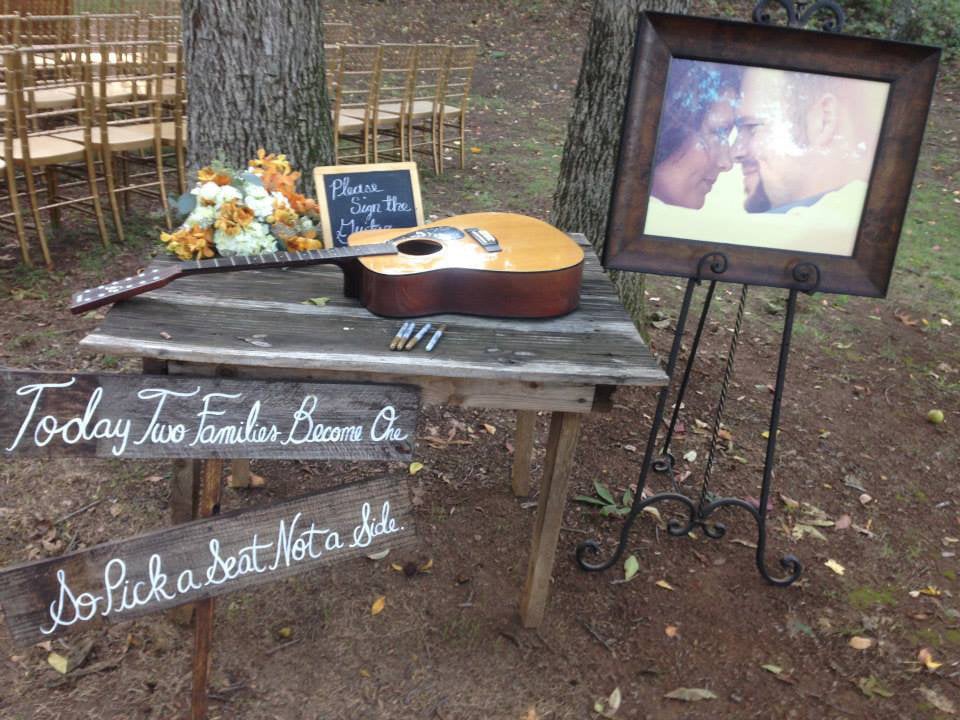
278 259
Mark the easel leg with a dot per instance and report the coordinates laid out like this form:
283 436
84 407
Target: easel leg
203 629
523 452
239 474
564 430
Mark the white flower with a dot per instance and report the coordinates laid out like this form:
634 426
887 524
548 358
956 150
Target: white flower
280 198
261 206
202 216
254 240
226 194
258 192
208 191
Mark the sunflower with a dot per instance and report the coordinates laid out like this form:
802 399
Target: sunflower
233 218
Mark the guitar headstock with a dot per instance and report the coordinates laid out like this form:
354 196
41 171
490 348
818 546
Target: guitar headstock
116 290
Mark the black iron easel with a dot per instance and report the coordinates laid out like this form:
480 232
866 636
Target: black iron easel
806 278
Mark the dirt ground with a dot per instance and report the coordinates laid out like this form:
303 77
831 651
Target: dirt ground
862 480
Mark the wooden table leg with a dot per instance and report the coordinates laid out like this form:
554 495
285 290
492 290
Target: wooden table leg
239 474
523 452
203 629
564 430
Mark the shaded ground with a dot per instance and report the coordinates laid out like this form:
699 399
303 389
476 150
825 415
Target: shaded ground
863 375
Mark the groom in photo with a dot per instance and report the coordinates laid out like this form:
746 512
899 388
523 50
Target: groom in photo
806 143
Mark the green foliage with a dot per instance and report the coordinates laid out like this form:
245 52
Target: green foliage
606 500
932 22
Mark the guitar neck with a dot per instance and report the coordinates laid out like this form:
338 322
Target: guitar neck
157 277
284 259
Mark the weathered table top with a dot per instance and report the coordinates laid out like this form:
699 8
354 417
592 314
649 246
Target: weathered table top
258 323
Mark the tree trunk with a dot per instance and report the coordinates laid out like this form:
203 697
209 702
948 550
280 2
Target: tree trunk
255 78
582 199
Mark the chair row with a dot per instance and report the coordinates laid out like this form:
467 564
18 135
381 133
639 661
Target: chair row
398 101
97 116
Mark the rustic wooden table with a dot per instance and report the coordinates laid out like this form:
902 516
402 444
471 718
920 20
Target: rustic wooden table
256 324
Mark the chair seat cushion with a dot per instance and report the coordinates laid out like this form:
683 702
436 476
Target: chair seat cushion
54 98
168 132
385 118
46 149
119 137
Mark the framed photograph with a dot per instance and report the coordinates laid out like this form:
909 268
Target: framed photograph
767 155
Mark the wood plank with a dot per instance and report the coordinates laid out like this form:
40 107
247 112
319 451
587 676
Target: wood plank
523 452
203 559
561 444
138 416
461 392
204 609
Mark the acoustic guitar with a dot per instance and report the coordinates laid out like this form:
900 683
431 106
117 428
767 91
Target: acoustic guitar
490 264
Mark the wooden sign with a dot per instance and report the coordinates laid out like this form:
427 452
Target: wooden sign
144 416
127 579
367 197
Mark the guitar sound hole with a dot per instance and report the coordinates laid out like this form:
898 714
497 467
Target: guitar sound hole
419 247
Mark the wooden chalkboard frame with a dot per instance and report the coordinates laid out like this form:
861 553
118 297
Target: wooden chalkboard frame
324 171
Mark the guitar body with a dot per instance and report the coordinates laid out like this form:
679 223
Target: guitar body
536 272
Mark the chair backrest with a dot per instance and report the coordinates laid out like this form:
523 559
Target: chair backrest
397 64
429 67
335 33
127 91
36 29
459 75
9 29
358 79
33 119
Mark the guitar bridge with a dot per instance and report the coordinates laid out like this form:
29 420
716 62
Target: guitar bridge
487 241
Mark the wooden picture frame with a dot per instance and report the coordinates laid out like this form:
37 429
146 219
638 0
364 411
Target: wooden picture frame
871 86
370 207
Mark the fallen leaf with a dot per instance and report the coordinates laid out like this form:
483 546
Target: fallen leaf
475 150
789 502
937 700
116 510
665 585
379 555
690 456
256 340
378 605
801 529
630 567
58 662
614 701
926 657
775 669
427 566
865 499
860 643
318 301
843 522
285 633
690 694
671 631
871 687
397 566
490 428
165 335
415 467
835 566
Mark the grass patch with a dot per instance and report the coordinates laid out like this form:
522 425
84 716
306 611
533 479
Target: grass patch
864 598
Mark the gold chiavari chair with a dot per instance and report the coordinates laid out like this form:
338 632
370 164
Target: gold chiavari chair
34 151
456 93
335 33
46 36
8 134
124 126
358 78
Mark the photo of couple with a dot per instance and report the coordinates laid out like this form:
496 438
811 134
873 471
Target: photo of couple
763 157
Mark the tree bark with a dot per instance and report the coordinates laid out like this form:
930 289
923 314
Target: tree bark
582 198
255 78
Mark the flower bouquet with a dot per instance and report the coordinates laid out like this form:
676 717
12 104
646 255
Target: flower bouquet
252 212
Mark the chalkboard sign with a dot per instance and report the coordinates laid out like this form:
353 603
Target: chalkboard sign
367 197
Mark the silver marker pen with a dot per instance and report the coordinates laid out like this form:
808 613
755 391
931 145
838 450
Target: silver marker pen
435 339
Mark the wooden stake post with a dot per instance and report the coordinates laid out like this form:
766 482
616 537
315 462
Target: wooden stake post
209 419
